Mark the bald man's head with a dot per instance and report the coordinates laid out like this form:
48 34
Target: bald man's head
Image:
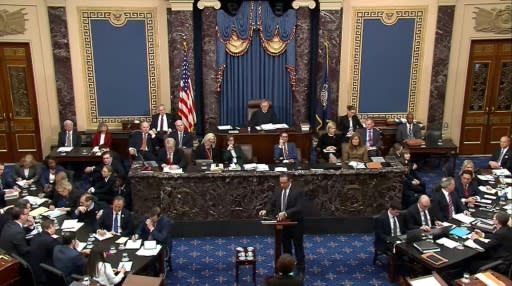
424 202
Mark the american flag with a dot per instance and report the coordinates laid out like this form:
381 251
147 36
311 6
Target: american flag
187 107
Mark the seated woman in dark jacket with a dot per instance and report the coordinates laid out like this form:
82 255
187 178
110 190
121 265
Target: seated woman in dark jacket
49 170
329 144
207 149
413 186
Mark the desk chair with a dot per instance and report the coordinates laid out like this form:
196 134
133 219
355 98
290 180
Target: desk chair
499 266
377 253
54 276
27 276
247 153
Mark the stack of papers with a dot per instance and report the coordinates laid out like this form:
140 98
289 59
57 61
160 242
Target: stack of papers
55 213
122 240
357 165
38 211
485 177
488 190
425 281
130 244
127 265
262 167
280 169
470 243
169 170
148 252
71 225
103 237
64 149
224 127
251 166
501 172
447 242
463 218
460 231
35 201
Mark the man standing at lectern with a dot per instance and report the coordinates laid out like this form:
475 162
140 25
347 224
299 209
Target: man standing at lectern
286 204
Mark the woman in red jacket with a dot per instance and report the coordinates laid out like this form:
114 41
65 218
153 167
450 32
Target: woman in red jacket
102 136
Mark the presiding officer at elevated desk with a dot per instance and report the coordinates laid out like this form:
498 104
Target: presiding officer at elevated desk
264 115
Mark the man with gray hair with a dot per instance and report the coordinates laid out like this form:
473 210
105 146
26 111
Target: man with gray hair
69 137
445 201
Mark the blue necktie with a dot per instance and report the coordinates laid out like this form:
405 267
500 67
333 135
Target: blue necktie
116 224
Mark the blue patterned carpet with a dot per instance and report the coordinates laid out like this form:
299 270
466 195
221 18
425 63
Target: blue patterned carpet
330 260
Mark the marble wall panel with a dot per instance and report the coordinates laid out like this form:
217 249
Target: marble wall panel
440 66
303 60
62 62
211 99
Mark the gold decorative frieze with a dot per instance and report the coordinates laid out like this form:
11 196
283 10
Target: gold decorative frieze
12 22
208 4
303 3
495 20
117 18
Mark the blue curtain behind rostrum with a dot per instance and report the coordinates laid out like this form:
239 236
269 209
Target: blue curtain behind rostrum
255 59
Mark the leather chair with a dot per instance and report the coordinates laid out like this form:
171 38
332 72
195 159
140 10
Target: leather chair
189 155
253 105
27 276
54 276
247 152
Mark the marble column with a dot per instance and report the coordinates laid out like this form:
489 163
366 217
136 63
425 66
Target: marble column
211 99
62 62
303 60
440 65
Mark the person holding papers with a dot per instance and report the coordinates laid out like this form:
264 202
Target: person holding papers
329 144
41 249
445 202
67 259
171 157
207 149
285 152
355 150
418 215
232 154
100 270
502 157
264 115
116 219
157 227
388 225
498 245
88 211
27 170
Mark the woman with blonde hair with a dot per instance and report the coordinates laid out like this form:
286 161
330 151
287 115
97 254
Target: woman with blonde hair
102 136
468 165
207 149
355 150
329 144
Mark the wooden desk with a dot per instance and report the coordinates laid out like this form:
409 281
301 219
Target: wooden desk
9 271
263 142
447 148
77 154
476 282
138 280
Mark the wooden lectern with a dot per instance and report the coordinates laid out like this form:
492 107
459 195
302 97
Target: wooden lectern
278 235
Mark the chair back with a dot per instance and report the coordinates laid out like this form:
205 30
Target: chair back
253 105
54 276
27 276
188 154
247 152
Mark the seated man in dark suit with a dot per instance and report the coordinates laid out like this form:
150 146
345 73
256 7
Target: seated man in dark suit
106 160
142 143
67 259
41 250
445 202
371 138
157 227
12 239
285 152
498 247
69 137
418 215
264 115
5 183
502 157
28 170
408 130
466 188
162 123
116 219
183 138
88 211
387 226
170 156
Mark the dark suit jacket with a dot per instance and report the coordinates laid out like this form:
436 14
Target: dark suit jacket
178 158
439 205
227 157
413 217
294 203
69 261
326 140
117 167
5 183
376 138
72 201
258 118
45 174
188 139
89 217
12 240
472 189
403 134
41 251
283 280
203 155
107 141
499 245
104 189
161 233
383 229
136 141
33 174
170 117
106 221
292 152
344 124
76 139
506 162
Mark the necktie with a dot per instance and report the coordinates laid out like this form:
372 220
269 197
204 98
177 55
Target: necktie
285 151
395 227
284 197
180 139
370 138
161 128
450 206
116 223
68 139
410 131
144 145
1 185
425 218
169 157
501 155
466 191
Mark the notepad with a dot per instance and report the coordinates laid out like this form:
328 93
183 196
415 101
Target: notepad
103 237
38 211
148 252
127 265
130 244
121 240
150 244
81 246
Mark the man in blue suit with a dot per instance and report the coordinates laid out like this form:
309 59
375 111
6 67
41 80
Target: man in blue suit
116 219
371 138
41 249
67 259
285 152
157 227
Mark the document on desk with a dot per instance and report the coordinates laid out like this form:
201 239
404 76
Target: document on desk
122 240
127 265
447 242
71 225
224 127
81 246
38 211
470 243
148 252
463 218
64 149
280 169
103 237
425 281
54 214
36 201
489 279
488 190
131 244
501 172
485 177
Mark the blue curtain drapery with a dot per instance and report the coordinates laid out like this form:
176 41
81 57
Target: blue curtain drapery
256 71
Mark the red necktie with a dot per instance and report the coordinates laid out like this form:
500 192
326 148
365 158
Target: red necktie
161 123
450 206
466 191
169 158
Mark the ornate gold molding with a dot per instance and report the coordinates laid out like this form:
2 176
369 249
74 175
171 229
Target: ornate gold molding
303 3
331 4
495 20
12 23
208 4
